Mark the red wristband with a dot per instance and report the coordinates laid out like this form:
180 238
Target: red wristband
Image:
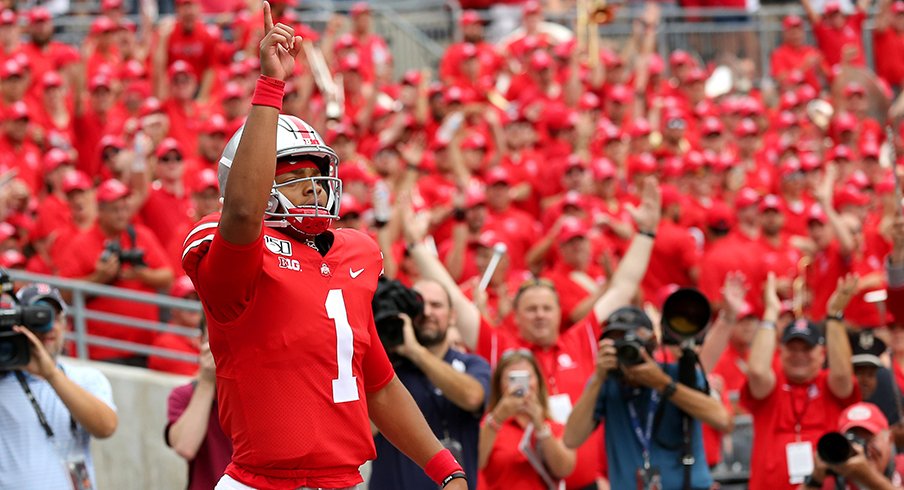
441 465
269 92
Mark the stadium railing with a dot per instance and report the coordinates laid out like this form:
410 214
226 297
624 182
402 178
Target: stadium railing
78 293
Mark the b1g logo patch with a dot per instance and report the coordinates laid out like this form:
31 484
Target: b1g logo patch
277 246
290 264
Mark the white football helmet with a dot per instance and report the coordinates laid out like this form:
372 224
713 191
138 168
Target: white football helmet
296 138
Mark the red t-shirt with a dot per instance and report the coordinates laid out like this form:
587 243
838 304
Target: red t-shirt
177 343
297 351
831 41
888 44
165 213
822 276
674 255
507 467
215 452
26 159
519 228
195 46
782 259
567 365
571 293
786 59
185 124
811 405
79 259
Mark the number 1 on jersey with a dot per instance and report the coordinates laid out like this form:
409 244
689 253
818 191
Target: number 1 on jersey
345 387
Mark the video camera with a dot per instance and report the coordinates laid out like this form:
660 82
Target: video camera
390 299
132 256
15 350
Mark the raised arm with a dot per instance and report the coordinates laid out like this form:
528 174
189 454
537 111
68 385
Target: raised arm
251 175
838 347
811 14
633 266
467 315
824 195
760 377
187 433
733 292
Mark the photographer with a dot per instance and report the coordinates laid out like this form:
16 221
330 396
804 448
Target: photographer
449 387
117 253
865 453
795 401
641 405
48 410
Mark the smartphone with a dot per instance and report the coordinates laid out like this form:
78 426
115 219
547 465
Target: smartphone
520 381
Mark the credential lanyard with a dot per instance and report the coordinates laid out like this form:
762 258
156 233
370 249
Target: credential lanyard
799 416
644 436
40 413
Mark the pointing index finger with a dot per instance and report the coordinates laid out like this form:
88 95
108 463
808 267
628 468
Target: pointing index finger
268 19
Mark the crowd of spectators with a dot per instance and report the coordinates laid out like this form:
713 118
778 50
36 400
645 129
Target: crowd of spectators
527 152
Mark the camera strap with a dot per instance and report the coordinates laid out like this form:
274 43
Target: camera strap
34 404
130 230
645 435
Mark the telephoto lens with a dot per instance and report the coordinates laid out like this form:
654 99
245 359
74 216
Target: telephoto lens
834 448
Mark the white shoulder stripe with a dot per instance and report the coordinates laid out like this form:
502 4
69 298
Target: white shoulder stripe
205 226
195 244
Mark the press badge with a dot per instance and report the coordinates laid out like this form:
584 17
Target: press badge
560 407
78 473
649 479
800 461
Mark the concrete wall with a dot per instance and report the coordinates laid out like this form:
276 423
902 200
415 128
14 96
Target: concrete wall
136 457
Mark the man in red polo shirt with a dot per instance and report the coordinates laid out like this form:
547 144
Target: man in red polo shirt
185 114
45 54
189 40
166 209
839 36
779 256
140 265
568 359
519 227
832 253
888 42
17 150
578 280
793 54
795 403
472 34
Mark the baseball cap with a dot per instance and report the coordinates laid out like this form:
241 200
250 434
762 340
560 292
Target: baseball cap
51 79
474 197
866 348
680 58
103 25
540 60
832 8
469 17
572 228
359 8
792 21
498 175
38 14
111 190
168 145
719 217
76 181
746 128
850 196
771 203
10 68
214 124
840 152
531 7
8 17
620 93
864 415
33 293
111 141
845 121
180 67
817 214
897 7
17 111
351 205
602 169
205 179
869 149
746 197
54 158
805 330
627 318
100 80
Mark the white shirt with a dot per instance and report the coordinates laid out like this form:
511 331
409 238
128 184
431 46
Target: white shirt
28 458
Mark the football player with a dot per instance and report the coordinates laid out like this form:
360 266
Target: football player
300 368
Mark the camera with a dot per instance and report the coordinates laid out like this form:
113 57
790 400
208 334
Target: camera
628 349
390 299
520 380
836 448
132 256
15 350
685 315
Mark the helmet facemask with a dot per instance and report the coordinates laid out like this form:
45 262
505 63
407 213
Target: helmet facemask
311 218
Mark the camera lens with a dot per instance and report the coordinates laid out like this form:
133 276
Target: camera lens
7 352
628 353
834 448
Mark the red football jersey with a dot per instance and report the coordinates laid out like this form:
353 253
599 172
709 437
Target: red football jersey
296 348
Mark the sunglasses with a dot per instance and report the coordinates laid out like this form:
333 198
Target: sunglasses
171 159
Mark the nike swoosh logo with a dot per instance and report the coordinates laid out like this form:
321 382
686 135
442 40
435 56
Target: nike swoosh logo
356 273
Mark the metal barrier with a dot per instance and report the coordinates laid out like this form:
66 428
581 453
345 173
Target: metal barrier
80 291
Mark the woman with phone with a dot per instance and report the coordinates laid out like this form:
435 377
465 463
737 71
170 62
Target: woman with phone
520 445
